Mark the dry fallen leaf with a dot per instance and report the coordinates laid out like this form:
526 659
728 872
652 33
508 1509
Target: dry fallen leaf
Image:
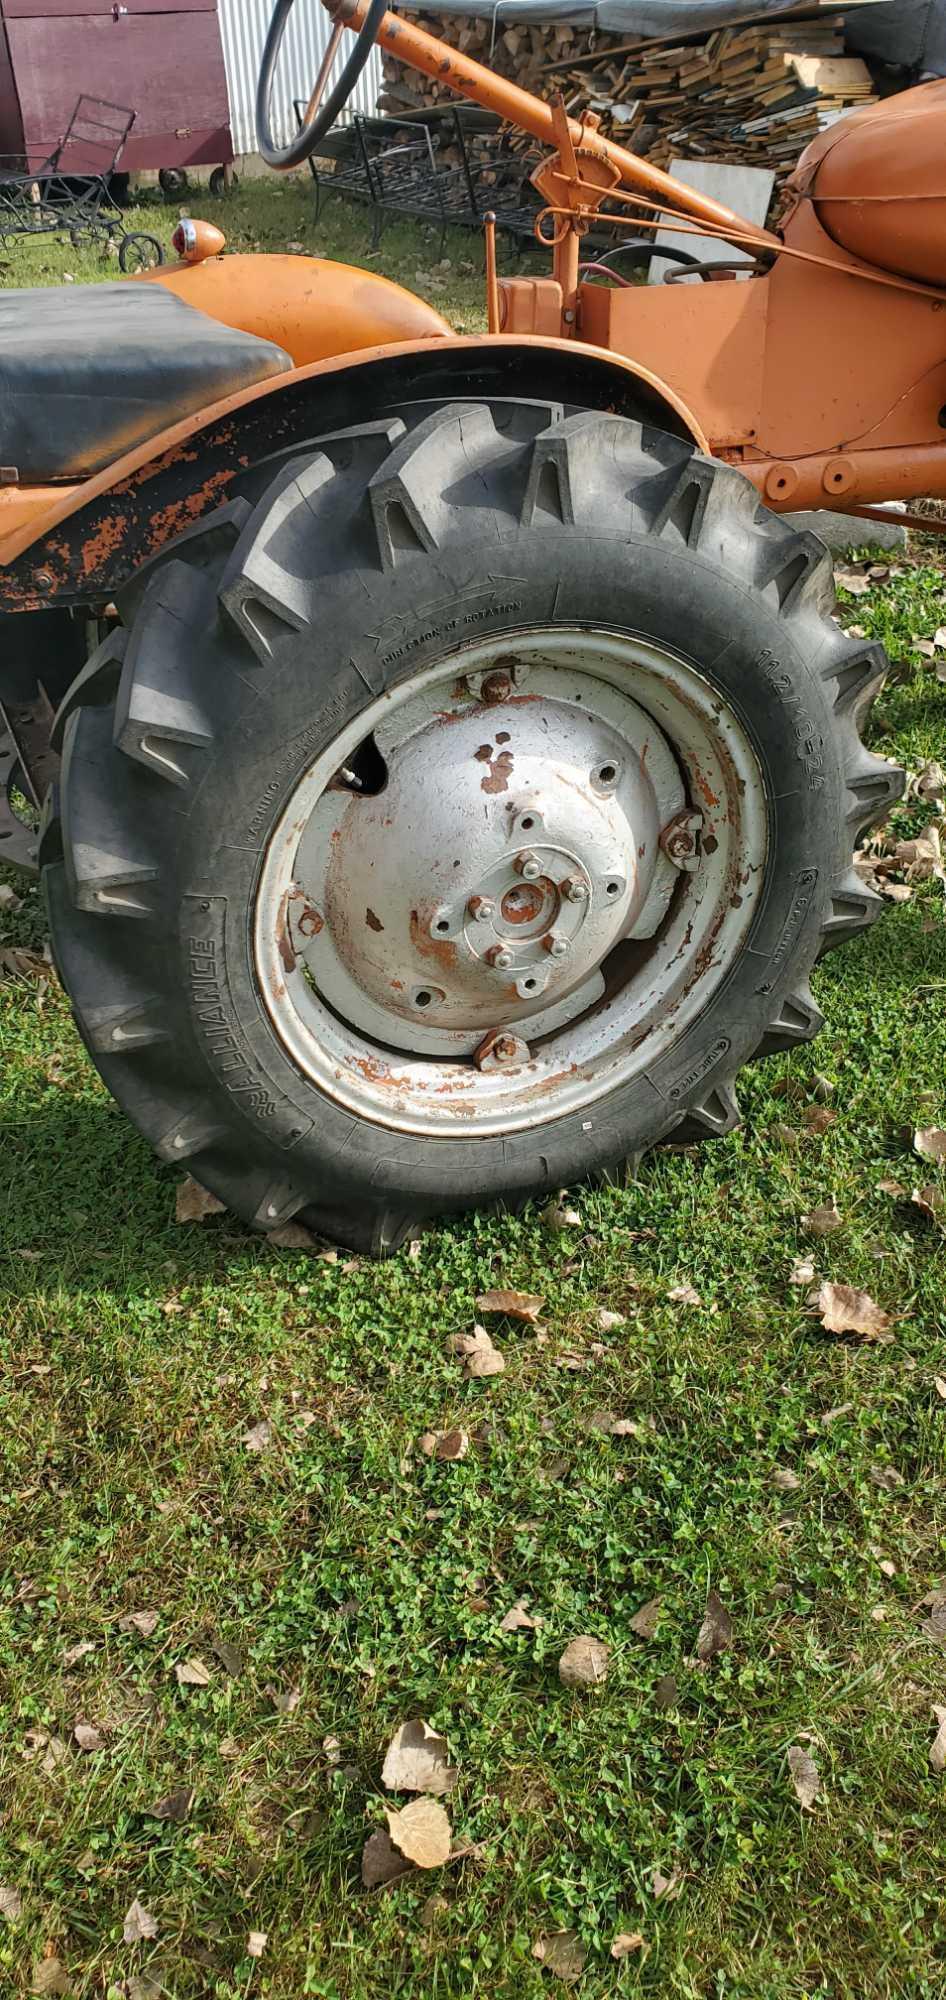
818 1119
230 1657
421 1831
260 1437
138 1924
286 1700
930 1202
805 1775
175 1806
853 581
584 1662
256 1944
445 1445
432 1909
938 1745
142 1622
556 1214
626 1942
192 1673
931 1144
785 1480
87 1737
666 1887
646 1620
480 1358
50 1976
716 1631
74 1654
561 1953
524 1306
194 1203
684 1295
939 1384
611 1425
934 1627
802 1272
417 1761
518 1619
381 1862
608 1322
844 1309
821 1221
11 1904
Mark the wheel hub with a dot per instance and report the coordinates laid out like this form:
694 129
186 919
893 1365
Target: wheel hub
478 811
491 874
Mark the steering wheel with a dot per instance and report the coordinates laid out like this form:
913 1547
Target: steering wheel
319 118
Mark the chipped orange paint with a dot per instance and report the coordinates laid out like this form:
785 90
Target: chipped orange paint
176 444
108 537
169 521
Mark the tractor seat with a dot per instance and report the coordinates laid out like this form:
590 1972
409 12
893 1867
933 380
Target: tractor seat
87 374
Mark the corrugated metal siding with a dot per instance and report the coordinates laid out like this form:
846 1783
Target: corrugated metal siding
243 25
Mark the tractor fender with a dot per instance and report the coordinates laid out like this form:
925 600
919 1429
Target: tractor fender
84 546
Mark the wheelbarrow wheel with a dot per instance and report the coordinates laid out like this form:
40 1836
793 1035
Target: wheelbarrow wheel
453 824
139 253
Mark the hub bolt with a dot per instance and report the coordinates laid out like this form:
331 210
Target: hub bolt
506 1048
480 909
528 866
555 946
495 687
575 890
499 957
678 840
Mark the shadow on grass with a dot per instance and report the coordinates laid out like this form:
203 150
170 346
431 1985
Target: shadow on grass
89 1203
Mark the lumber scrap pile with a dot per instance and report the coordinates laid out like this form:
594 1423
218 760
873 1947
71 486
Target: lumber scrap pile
752 95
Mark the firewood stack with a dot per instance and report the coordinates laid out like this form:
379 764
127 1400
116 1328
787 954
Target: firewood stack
744 95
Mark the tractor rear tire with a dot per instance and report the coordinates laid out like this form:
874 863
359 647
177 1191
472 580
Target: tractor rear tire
380 653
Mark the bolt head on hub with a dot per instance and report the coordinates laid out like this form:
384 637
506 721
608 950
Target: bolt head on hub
678 840
528 866
480 909
499 957
574 889
556 946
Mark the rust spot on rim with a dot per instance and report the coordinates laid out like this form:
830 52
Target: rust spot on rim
442 951
499 774
374 923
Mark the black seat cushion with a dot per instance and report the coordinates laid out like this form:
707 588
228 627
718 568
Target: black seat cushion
88 372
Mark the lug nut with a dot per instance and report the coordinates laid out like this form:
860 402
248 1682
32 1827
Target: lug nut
480 909
678 840
506 1048
554 945
495 687
575 890
499 957
499 1050
528 866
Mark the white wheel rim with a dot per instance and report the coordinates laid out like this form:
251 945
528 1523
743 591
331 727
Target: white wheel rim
326 958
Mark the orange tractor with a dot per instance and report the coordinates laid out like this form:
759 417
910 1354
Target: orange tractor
450 761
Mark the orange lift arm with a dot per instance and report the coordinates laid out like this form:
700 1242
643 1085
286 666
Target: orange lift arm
545 123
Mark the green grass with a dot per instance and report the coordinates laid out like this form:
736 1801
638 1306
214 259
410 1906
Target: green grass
344 1564
267 215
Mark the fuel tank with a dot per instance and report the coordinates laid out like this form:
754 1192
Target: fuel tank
877 179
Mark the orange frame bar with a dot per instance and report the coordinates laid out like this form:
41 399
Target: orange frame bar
413 46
